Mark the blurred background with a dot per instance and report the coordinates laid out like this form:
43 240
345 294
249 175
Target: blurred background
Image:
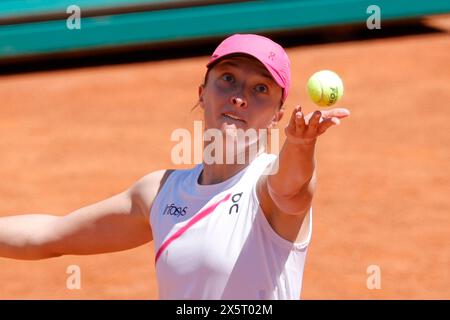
90 92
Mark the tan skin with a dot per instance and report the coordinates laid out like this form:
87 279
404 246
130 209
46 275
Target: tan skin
122 221
243 86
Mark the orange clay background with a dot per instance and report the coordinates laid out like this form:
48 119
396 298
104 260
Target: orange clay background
69 138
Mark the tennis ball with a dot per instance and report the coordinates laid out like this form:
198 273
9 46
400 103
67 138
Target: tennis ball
325 88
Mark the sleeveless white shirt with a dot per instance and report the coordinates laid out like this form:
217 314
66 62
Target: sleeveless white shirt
214 242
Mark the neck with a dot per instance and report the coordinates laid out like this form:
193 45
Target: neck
218 172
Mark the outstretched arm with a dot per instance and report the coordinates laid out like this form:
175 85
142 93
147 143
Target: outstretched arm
292 187
115 224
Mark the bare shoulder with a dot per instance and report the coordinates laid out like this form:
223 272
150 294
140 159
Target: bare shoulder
145 190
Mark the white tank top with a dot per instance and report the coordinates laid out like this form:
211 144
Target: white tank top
214 242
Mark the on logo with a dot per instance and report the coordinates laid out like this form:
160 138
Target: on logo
235 198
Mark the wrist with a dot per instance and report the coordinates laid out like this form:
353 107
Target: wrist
302 144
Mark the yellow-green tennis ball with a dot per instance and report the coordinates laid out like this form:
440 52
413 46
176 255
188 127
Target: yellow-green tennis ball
325 88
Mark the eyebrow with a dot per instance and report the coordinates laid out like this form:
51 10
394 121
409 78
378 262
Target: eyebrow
264 72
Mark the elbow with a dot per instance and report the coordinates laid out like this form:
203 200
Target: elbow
41 252
288 190
39 248
44 254
295 206
29 253
297 203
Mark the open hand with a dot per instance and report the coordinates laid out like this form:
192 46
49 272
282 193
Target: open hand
305 129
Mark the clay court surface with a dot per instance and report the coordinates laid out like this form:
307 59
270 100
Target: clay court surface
72 137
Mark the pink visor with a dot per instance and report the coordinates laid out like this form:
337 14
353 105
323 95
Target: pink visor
268 52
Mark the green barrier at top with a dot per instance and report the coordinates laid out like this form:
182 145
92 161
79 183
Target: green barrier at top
191 23
11 8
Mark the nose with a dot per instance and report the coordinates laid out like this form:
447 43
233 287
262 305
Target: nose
239 102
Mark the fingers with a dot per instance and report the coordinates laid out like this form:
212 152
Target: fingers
299 121
292 119
337 112
336 121
314 123
324 125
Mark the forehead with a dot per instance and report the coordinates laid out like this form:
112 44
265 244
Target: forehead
244 63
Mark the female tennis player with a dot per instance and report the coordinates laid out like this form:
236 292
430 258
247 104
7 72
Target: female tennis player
221 230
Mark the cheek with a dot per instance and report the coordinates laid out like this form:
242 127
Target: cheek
221 91
215 97
263 117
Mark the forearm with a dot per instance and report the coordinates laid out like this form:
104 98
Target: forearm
292 186
296 168
20 236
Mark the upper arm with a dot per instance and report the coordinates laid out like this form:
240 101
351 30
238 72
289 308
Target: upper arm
288 217
114 224
297 204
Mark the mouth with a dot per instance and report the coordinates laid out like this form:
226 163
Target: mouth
232 117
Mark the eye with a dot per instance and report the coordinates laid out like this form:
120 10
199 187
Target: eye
228 77
262 88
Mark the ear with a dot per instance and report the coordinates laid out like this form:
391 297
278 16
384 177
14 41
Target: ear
277 117
201 89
